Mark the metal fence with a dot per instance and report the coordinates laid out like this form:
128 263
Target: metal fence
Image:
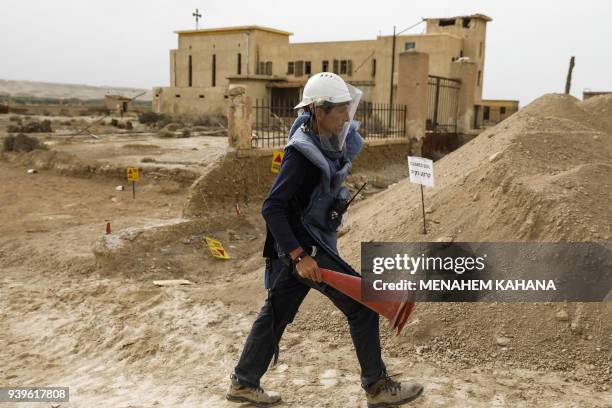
442 104
381 121
273 119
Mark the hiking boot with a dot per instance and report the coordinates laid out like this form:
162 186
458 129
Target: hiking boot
239 392
388 393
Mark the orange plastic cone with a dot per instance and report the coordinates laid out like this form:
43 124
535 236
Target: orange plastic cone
397 312
407 311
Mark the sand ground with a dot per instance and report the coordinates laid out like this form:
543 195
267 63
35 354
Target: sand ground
119 341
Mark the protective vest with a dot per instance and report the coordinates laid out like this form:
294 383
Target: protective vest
316 216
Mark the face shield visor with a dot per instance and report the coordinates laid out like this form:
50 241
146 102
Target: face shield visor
333 120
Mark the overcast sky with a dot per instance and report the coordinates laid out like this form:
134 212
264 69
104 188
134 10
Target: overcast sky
126 42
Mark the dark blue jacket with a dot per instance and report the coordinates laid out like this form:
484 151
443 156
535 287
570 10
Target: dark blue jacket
288 197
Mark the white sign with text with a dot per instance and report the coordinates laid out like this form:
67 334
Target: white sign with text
420 170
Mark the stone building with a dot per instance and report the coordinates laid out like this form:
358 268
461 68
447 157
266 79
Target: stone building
118 104
496 110
590 94
271 67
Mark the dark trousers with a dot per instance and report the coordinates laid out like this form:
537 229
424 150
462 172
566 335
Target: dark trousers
286 294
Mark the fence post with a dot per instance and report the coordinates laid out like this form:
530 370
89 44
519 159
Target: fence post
466 72
239 118
436 105
404 117
364 108
412 92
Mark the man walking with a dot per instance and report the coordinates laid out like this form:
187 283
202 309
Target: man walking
303 211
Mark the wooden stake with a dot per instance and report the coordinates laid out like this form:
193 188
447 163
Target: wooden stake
423 207
568 81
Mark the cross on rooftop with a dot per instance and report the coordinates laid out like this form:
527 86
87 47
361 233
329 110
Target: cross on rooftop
197 16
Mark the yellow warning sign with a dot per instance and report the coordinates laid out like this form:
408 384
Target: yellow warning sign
216 248
132 174
277 158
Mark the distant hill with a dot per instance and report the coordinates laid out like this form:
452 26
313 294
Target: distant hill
55 90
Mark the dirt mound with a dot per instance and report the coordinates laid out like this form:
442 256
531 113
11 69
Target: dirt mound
601 104
601 107
557 105
231 181
538 176
69 164
64 163
545 175
246 180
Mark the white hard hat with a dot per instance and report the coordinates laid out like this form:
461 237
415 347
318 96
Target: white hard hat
324 87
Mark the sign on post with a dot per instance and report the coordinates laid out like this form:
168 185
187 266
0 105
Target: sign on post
420 171
133 176
216 248
277 158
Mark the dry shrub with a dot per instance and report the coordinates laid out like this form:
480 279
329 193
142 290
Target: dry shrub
33 126
22 143
152 118
166 134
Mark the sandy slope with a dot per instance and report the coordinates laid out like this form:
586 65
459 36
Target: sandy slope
544 175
